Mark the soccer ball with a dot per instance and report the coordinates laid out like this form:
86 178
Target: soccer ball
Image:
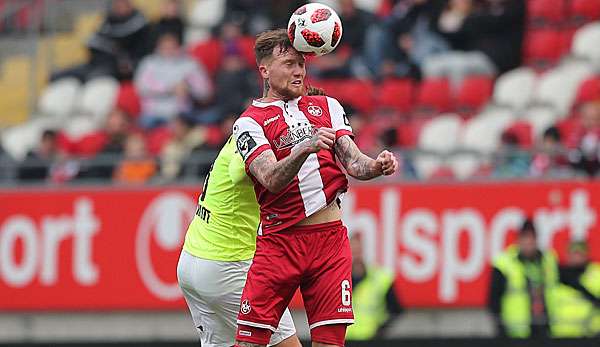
315 29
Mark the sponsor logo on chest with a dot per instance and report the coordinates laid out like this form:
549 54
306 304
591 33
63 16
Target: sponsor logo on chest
295 134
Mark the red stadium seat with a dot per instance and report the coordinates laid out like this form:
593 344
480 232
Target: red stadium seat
545 12
209 53
157 138
90 144
434 95
128 99
523 132
583 11
396 94
543 47
588 90
359 94
474 92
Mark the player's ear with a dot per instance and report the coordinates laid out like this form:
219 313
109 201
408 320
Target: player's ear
264 72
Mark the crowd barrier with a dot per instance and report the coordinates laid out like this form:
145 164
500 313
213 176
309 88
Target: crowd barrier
112 248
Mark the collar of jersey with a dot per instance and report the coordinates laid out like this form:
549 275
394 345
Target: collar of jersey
257 103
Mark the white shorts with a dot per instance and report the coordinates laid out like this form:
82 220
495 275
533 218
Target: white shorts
212 290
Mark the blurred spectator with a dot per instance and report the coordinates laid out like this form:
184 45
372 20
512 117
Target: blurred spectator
577 310
38 161
550 159
510 160
137 166
486 36
410 37
111 146
260 15
374 298
170 21
522 281
169 83
117 47
236 82
348 59
586 157
185 139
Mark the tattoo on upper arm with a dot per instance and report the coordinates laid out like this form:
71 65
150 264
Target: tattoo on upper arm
356 163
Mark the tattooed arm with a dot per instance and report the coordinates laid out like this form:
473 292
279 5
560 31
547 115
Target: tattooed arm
359 165
275 175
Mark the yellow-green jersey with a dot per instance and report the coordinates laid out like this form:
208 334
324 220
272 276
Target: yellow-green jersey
227 217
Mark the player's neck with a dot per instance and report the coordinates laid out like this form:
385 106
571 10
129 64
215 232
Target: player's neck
272 96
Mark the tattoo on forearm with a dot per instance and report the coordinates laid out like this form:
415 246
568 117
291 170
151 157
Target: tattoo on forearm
273 174
356 163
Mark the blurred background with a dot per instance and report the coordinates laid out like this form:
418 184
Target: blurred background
111 113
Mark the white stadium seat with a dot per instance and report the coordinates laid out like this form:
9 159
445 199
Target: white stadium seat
515 88
540 118
558 87
427 164
58 98
586 43
464 165
483 132
206 13
98 98
441 133
80 126
20 139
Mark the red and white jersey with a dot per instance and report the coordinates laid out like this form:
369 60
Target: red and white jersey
280 126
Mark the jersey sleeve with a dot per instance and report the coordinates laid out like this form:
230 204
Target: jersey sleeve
250 139
339 120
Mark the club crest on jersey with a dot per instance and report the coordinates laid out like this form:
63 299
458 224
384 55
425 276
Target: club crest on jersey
295 135
245 143
245 307
315 111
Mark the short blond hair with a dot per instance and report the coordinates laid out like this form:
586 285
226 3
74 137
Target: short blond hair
269 40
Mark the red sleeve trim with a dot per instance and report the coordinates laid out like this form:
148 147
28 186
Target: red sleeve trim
255 154
343 132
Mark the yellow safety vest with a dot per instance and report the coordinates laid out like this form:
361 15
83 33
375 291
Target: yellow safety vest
515 309
369 304
573 315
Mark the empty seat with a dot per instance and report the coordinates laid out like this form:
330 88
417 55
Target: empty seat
588 90
583 11
434 95
209 54
59 98
558 87
464 165
79 126
427 164
514 89
545 12
396 94
585 43
128 99
206 13
543 47
358 93
483 132
441 133
98 97
474 92
540 118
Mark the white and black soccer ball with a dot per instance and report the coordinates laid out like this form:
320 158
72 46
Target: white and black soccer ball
315 29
